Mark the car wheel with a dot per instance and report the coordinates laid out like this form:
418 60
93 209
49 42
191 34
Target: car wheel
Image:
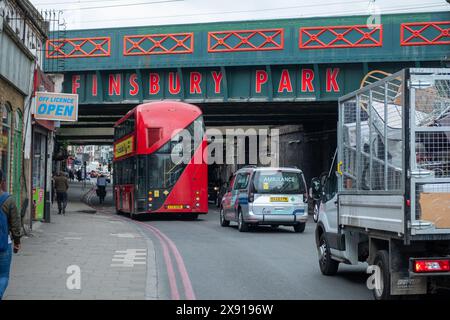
316 213
242 225
382 290
223 222
328 266
300 227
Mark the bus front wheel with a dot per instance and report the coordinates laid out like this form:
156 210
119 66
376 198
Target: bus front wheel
133 216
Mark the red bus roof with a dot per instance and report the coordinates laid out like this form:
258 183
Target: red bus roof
181 108
168 116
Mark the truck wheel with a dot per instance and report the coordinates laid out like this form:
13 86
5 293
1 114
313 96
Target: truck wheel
383 292
242 225
223 222
328 266
300 227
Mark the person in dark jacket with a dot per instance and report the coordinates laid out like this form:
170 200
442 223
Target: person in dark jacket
61 185
15 232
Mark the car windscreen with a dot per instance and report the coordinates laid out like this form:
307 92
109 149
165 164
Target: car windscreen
278 182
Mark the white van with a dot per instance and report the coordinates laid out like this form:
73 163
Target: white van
266 196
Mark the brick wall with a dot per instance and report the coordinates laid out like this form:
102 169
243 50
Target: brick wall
10 94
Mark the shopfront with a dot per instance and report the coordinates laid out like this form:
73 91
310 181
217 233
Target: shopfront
39 172
11 150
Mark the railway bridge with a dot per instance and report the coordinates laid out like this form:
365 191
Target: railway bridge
286 73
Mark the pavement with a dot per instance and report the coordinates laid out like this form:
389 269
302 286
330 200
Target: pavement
84 254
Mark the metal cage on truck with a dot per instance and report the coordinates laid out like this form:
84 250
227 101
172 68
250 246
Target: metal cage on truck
394 148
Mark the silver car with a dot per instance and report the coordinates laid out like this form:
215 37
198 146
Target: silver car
265 196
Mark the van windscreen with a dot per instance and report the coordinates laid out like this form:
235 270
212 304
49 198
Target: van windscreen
278 182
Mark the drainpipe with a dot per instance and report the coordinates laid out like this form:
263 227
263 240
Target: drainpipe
28 143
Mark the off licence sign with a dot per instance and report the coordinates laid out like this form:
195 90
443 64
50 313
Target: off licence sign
56 106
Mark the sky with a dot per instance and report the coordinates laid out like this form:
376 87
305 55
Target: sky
94 14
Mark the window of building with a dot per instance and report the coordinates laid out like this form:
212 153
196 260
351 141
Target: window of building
18 132
5 144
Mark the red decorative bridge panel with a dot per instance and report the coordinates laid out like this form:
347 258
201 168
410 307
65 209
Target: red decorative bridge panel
357 36
174 43
78 48
246 40
425 33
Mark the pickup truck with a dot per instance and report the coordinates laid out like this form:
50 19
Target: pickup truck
386 198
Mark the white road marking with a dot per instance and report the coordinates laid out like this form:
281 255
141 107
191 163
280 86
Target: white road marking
124 235
129 258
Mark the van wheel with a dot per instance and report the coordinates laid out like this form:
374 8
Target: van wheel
223 222
300 227
328 266
242 225
383 292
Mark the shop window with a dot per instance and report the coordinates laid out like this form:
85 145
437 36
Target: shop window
39 173
5 144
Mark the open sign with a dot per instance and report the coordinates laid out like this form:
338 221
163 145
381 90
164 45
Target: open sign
56 106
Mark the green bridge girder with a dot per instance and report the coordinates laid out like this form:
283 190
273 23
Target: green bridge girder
292 60
283 50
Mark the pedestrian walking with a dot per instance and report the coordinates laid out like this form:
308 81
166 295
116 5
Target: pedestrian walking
10 233
61 187
101 188
71 175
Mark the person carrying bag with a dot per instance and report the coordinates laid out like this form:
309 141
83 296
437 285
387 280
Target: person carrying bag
10 225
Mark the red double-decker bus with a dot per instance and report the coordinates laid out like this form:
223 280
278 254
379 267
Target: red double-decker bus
146 177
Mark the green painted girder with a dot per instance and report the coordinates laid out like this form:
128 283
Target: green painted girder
267 83
199 44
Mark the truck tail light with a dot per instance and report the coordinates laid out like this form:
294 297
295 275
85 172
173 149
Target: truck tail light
423 266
